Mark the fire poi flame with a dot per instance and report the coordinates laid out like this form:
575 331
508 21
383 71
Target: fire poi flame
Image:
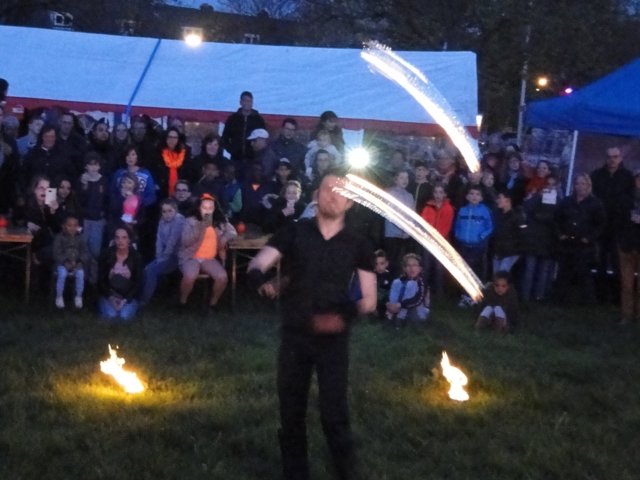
456 379
361 191
128 380
383 60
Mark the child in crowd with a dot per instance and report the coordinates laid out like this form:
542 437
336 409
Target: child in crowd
408 298
384 279
510 223
421 188
126 203
66 198
182 195
472 228
438 213
396 241
489 192
232 191
321 142
167 245
204 240
210 182
93 199
70 255
286 208
499 308
144 179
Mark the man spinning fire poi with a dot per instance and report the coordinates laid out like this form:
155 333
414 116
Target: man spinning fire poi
323 254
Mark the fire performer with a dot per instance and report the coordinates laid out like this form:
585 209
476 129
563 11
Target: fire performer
331 281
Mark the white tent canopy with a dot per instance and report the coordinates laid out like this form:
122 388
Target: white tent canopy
101 72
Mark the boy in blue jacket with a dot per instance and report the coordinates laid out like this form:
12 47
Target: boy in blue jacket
472 228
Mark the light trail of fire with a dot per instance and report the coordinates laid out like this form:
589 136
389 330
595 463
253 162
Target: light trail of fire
128 380
372 197
395 68
456 378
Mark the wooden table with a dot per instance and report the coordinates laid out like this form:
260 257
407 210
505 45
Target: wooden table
245 247
12 241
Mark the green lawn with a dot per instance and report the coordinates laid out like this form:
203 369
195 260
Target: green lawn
559 399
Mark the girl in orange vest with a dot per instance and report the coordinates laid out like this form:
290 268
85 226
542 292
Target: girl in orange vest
204 241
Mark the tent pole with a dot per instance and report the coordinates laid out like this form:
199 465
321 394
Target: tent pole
127 111
572 161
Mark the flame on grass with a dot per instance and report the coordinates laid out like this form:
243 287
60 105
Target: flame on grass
128 380
372 197
456 379
387 63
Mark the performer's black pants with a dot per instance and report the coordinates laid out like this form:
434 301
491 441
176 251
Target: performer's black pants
299 354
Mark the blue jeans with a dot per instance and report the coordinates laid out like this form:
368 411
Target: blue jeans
61 279
504 263
537 277
151 273
125 314
434 273
475 256
93 233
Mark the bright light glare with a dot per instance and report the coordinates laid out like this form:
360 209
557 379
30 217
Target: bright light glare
193 40
568 91
359 157
543 81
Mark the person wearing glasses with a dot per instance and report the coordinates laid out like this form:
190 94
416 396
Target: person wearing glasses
613 185
175 162
183 198
167 245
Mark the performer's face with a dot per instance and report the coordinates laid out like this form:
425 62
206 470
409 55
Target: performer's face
331 204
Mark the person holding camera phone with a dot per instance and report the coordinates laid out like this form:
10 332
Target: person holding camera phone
40 218
204 240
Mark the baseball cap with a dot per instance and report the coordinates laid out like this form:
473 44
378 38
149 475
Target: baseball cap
258 133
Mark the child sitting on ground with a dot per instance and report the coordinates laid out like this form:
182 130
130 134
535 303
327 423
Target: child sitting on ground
408 298
499 308
384 279
70 254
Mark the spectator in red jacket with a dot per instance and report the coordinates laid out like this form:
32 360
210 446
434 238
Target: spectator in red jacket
438 213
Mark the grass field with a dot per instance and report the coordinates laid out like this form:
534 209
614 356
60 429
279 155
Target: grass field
559 399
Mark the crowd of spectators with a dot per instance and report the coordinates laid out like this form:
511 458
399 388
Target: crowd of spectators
122 205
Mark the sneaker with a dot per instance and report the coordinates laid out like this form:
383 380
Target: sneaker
78 302
465 301
59 302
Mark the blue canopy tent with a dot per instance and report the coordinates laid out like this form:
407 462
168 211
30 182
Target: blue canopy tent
609 106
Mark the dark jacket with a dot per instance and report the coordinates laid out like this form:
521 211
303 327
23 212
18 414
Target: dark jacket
539 236
70 248
508 302
52 163
508 232
615 191
580 220
94 199
275 219
116 284
292 151
236 130
629 239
